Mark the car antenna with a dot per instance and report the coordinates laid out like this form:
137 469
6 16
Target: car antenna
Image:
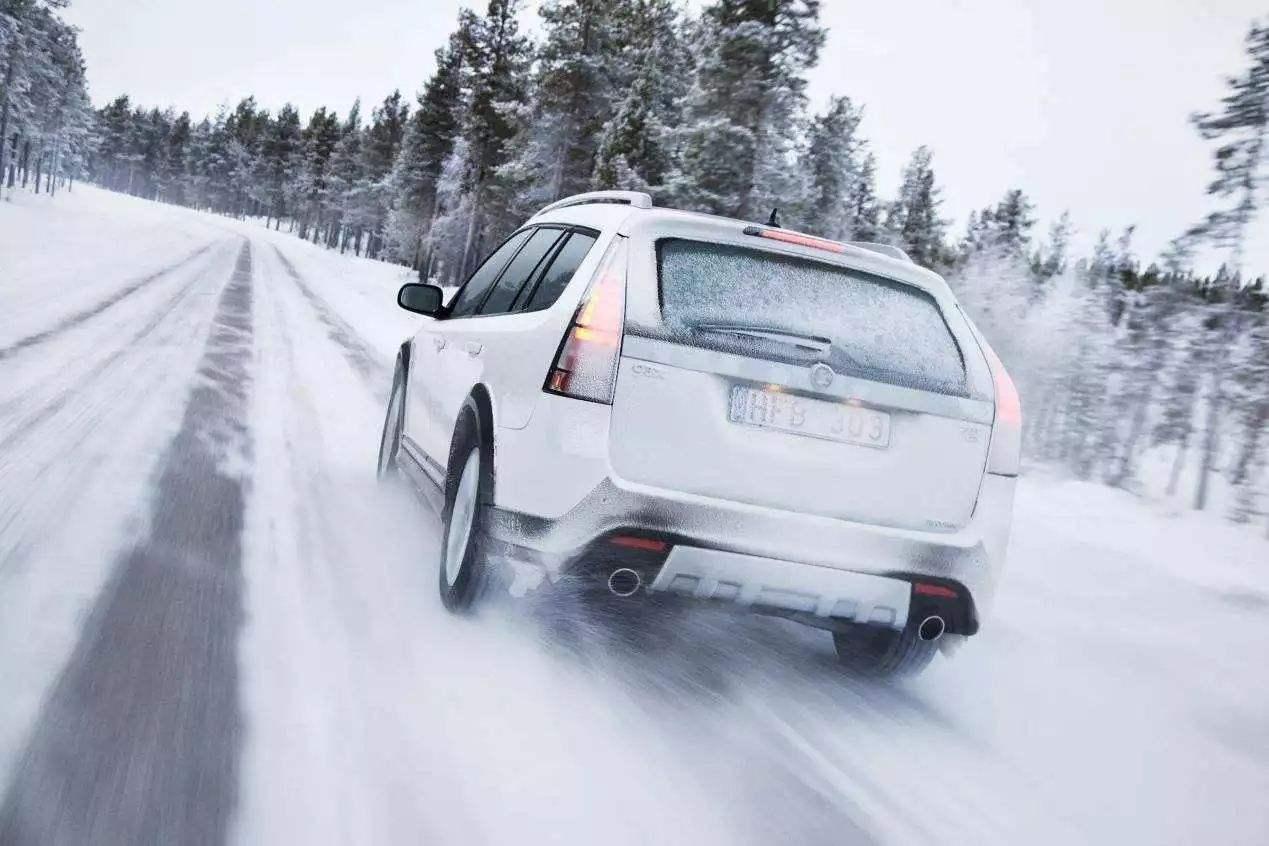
774 220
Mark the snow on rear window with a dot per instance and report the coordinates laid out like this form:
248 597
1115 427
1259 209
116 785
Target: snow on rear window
879 329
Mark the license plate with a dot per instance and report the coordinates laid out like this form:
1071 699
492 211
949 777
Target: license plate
830 421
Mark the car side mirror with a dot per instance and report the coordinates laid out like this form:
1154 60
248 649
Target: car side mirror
421 299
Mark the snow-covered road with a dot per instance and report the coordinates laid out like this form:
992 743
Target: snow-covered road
215 625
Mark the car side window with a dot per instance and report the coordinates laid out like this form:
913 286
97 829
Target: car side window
556 278
473 293
522 268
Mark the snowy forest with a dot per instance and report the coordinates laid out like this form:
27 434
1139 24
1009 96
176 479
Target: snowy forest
1143 374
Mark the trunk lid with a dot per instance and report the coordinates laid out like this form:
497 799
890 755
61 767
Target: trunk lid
778 381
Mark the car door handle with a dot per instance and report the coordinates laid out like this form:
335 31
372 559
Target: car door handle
438 342
473 348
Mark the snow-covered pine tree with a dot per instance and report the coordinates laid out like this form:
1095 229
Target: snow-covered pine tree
247 126
1086 373
1250 395
572 100
1242 129
862 201
320 138
495 74
152 136
1051 259
652 68
1004 230
1011 223
428 142
195 186
379 151
1221 327
1137 357
345 179
172 158
913 218
1180 391
279 163
114 125
741 123
831 166
27 72
63 97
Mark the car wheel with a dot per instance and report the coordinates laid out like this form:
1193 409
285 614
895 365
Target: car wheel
883 652
390 440
463 570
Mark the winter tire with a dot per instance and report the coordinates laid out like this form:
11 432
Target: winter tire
463 569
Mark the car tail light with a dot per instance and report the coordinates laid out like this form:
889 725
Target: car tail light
927 589
640 543
586 365
1006 433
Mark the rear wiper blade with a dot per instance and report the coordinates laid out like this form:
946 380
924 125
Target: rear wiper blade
811 343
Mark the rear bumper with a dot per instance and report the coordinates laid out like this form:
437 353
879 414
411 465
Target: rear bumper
799 563
826 593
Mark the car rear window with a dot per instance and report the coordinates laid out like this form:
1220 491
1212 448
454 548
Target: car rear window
878 329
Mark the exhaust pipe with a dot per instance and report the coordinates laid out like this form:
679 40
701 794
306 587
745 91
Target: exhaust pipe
931 628
624 582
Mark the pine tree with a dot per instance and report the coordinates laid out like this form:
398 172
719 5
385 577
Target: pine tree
862 201
652 68
572 100
114 125
28 29
428 142
1011 223
311 189
1242 127
1052 259
379 151
345 179
831 165
497 60
278 165
1003 230
913 217
741 121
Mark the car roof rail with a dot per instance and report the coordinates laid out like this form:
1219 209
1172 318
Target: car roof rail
634 199
884 249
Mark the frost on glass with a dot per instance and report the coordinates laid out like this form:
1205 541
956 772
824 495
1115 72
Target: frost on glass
879 329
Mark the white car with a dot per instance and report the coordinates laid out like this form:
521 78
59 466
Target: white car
664 401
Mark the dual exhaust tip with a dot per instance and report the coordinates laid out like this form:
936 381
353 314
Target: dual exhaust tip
931 628
624 582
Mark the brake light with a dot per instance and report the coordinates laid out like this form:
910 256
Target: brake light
1006 434
642 544
927 589
794 238
586 365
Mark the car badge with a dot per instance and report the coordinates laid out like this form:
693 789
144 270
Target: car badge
822 375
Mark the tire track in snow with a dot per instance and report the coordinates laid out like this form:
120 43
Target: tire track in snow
364 360
26 427
78 317
139 739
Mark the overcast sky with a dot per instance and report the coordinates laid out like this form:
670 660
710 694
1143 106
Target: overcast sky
1082 103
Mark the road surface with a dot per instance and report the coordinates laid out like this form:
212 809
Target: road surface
216 627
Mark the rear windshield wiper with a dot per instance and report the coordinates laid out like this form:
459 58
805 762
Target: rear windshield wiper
810 343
